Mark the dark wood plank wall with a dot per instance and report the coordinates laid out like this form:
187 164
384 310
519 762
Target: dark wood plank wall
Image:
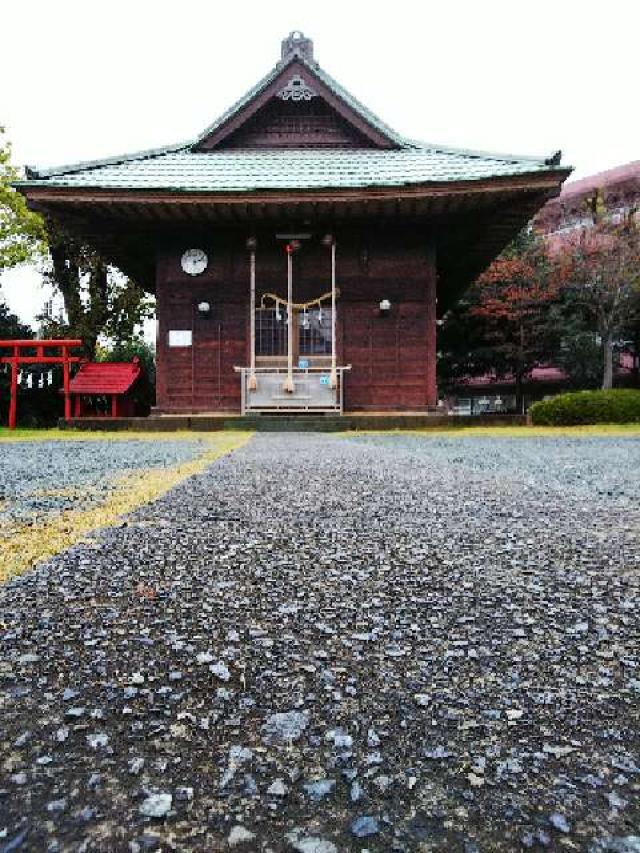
288 124
392 357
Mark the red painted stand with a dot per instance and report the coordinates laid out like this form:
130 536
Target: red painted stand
17 358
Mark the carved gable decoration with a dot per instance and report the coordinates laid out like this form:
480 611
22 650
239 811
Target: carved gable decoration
297 89
297 105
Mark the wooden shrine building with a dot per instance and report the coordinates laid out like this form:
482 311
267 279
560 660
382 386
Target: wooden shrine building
300 249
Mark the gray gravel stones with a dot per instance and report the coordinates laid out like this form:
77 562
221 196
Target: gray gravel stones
331 581
285 727
240 835
628 844
156 805
320 789
309 843
364 826
559 822
42 478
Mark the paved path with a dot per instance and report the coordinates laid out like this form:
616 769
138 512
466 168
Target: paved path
326 644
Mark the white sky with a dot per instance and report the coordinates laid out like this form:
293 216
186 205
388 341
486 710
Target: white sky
83 80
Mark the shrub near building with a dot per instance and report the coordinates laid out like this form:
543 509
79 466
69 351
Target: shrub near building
588 407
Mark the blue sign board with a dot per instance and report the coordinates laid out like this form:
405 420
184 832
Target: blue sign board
303 363
325 380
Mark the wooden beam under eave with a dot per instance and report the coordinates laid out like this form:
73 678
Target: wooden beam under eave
182 213
236 213
428 208
273 211
223 212
210 214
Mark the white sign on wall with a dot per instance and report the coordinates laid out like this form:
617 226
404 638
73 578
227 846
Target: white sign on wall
180 337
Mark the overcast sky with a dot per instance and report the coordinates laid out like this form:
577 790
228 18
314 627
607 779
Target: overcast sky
84 80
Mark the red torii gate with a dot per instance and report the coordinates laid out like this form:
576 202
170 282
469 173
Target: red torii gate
17 357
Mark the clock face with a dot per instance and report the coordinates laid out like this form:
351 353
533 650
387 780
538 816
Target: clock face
194 261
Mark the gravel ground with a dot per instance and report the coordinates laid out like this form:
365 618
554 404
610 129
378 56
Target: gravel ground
39 479
323 644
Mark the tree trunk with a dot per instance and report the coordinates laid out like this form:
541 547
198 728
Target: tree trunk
519 394
519 373
607 376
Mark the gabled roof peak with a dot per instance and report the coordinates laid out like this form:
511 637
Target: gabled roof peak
296 44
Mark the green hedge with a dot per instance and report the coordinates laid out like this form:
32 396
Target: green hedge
617 406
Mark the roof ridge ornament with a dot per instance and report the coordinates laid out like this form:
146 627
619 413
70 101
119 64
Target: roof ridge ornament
297 44
297 89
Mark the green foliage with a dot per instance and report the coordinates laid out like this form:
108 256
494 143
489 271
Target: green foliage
599 268
588 407
22 234
463 347
10 325
36 406
99 302
502 326
578 349
137 347
580 356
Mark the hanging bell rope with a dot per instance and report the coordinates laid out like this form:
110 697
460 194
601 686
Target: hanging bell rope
288 386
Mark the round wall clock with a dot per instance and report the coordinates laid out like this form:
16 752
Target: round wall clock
194 261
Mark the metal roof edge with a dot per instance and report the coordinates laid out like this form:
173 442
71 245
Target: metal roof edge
33 173
248 96
351 101
391 187
543 160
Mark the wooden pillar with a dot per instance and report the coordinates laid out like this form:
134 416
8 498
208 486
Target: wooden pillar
253 382
114 405
334 370
431 336
13 402
77 406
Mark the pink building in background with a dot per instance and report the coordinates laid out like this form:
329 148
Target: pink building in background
614 192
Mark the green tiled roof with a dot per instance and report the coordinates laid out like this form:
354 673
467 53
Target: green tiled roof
182 168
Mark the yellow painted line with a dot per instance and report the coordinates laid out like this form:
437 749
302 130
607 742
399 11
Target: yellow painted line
23 545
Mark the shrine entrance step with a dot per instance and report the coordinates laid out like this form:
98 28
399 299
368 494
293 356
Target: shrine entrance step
294 423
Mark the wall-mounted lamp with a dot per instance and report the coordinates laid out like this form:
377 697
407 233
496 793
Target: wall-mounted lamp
204 308
385 307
